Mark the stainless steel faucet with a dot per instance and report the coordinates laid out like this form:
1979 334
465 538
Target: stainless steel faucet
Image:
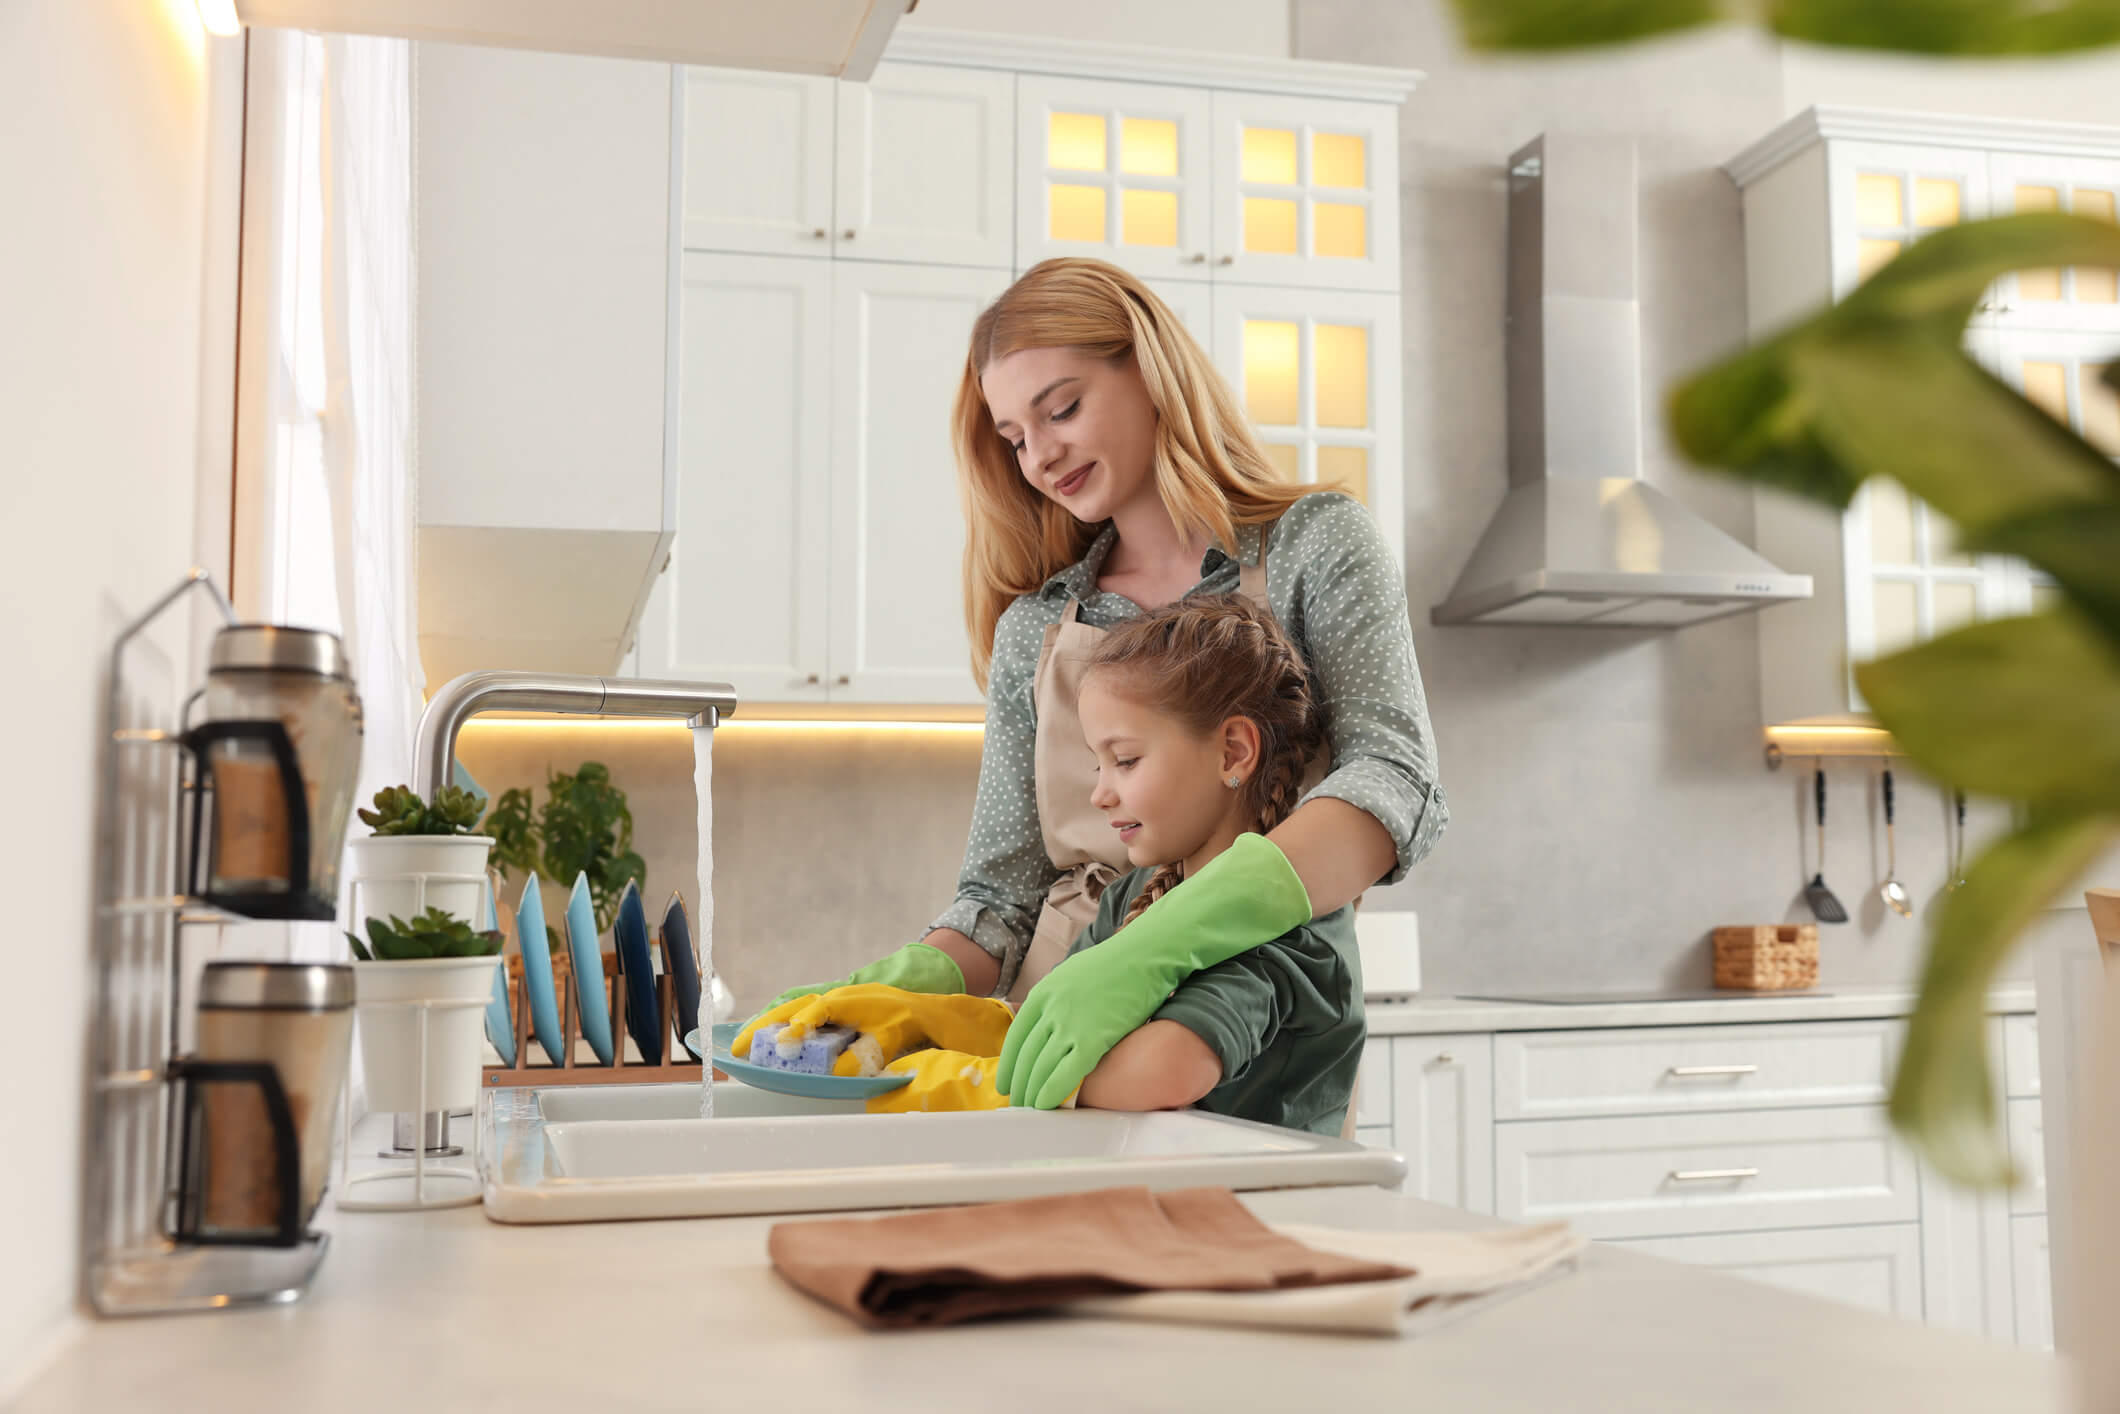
701 704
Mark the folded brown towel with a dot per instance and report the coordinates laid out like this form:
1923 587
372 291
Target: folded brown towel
943 1265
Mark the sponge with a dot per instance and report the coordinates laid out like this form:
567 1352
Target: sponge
829 1050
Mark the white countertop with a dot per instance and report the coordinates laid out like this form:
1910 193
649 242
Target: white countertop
446 1311
1429 1015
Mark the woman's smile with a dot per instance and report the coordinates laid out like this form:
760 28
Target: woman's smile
1069 484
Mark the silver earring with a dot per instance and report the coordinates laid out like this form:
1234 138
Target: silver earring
1235 781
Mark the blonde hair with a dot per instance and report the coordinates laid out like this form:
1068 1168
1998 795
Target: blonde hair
1211 470
1203 660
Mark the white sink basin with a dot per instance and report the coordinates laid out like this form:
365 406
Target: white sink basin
581 1154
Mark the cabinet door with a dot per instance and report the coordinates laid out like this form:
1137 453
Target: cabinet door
925 162
899 334
1305 192
1442 1104
1318 374
2063 372
2085 299
1885 196
1118 171
1877 1268
2033 1282
758 162
744 598
1908 581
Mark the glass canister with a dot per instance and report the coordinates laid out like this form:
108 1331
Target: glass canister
298 678
296 1018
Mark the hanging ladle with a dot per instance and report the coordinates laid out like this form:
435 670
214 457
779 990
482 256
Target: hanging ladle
1891 890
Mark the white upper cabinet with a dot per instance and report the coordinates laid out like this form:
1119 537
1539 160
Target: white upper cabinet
758 162
1829 198
925 163
744 598
1116 171
897 592
1305 192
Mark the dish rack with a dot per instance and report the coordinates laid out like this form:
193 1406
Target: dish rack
565 1071
131 1262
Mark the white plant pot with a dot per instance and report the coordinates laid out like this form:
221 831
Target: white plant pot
457 988
401 876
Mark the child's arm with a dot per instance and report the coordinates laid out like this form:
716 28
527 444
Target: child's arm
1159 1065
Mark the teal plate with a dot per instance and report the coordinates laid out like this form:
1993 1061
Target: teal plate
789 1082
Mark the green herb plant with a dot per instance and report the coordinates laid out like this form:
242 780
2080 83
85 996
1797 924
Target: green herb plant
400 811
2025 709
432 934
584 827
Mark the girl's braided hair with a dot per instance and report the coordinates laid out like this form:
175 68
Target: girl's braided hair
1204 660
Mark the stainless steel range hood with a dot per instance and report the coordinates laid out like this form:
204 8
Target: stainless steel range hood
1581 539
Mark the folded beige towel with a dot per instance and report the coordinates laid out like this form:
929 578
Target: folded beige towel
1454 1274
942 1265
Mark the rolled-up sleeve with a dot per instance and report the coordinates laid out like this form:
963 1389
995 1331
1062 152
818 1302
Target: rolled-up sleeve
1348 609
1006 871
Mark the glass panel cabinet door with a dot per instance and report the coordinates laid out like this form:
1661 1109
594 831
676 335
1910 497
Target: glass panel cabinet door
1306 192
2063 373
1886 196
1318 374
1116 171
2080 298
926 163
758 162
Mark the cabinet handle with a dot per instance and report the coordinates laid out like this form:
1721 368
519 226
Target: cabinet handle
1227 260
1710 1175
1444 1058
1198 257
847 234
842 680
812 678
819 234
1683 1070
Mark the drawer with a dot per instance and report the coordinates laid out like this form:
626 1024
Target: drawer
1372 1092
2020 1055
1877 1268
1673 1175
1660 1069
2028 1151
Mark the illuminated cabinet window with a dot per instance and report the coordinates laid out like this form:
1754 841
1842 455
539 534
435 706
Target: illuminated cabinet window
1306 192
1893 195
1318 373
2083 299
1920 584
1118 171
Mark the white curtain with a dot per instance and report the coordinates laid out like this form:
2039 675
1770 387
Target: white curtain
325 491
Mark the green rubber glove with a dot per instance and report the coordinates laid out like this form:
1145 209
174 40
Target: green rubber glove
1247 895
916 967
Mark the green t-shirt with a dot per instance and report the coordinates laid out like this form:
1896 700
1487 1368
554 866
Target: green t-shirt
1285 1018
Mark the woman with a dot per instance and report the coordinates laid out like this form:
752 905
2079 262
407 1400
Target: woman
1106 470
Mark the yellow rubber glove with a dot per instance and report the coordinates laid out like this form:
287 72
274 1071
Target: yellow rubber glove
943 1081
891 1021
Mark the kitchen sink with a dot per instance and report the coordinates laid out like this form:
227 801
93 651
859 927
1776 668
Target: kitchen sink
579 1154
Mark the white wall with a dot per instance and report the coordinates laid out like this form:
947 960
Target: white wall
1256 27
1610 803
113 323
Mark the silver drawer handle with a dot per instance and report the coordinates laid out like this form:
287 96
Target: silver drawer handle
1714 1070
1710 1175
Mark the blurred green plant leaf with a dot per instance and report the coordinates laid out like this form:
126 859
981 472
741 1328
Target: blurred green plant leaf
1991 27
1942 1093
2079 545
2023 708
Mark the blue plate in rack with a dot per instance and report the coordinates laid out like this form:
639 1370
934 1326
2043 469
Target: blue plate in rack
536 946
789 1082
683 966
500 1023
584 946
636 972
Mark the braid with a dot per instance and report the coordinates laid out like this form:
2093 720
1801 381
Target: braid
1159 883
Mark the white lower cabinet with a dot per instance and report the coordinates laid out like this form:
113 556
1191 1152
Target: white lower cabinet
1759 1149
1877 1267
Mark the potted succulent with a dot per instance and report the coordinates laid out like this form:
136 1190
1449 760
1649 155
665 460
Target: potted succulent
421 855
436 971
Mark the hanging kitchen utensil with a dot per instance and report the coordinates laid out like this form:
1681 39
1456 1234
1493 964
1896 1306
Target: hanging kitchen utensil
1956 880
1891 890
1826 907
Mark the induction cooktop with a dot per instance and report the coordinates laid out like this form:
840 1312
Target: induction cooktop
1704 994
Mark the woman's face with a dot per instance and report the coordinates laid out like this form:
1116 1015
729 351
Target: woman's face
1083 429
1161 787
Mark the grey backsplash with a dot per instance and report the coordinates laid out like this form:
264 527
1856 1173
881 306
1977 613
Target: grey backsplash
1609 799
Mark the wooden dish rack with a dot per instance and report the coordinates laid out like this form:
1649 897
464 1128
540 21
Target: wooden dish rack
565 1071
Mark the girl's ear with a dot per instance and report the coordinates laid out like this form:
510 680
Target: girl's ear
1240 747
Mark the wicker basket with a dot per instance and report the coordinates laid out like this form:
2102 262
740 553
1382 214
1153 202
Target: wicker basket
1767 957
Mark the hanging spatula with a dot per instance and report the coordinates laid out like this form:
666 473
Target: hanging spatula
1823 904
